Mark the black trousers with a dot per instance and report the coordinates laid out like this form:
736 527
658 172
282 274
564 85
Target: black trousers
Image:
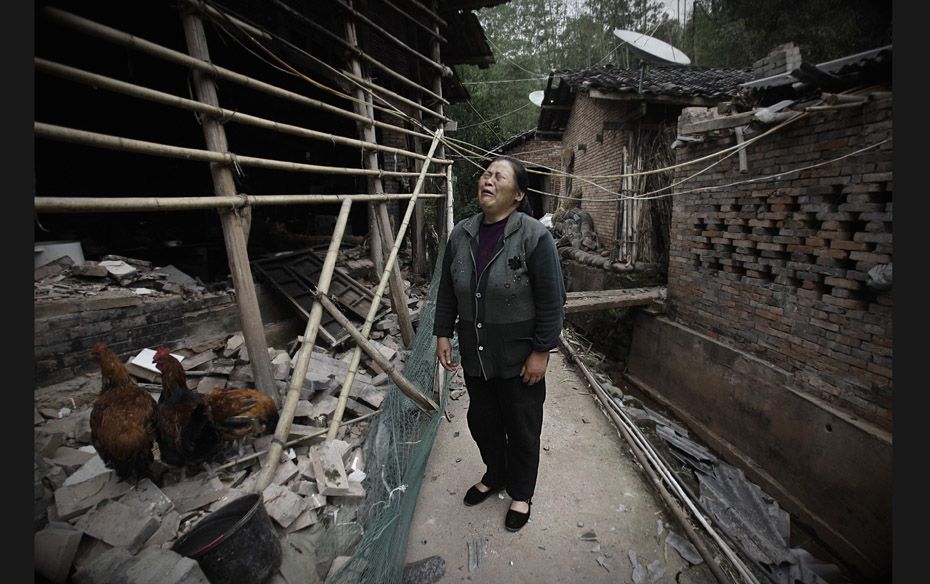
505 420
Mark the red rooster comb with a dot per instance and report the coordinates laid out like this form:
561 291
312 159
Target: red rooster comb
161 355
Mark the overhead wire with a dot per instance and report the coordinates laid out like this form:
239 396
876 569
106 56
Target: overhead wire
463 152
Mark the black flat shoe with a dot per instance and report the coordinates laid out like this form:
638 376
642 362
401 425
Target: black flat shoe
515 520
473 496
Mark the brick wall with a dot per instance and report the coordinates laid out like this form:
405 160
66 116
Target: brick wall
780 267
65 331
546 154
602 154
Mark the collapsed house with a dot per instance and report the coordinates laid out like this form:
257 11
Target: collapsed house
606 121
179 143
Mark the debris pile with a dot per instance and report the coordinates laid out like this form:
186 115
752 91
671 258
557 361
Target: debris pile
576 229
90 524
112 275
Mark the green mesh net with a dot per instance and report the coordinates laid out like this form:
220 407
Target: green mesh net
374 533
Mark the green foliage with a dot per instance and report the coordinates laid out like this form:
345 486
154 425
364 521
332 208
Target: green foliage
739 32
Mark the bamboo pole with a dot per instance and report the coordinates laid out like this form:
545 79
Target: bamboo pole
410 390
389 266
357 52
397 296
233 230
132 42
647 464
396 41
304 354
322 431
418 237
122 204
450 220
226 115
85 138
375 87
419 24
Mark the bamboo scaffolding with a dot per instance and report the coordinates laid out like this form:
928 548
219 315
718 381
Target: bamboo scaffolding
388 267
375 87
304 354
406 15
397 42
235 231
223 114
85 138
382 223
410 390
121 204
356 51
132 42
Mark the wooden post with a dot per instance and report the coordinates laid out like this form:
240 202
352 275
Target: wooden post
397 296
743 162
234 229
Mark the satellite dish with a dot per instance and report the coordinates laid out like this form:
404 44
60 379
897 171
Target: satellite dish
652 49
537 97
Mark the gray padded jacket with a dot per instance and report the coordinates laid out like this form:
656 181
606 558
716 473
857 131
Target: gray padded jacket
515 307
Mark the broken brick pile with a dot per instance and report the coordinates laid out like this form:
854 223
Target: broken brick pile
90 524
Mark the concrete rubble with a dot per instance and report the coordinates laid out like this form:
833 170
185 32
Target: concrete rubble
90 524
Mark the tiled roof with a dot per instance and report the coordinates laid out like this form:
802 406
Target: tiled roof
710 82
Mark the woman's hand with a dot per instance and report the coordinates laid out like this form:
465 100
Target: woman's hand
444 353
534 368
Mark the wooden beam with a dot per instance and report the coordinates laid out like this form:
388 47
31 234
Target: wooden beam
721 123
234 227
602 300
684 100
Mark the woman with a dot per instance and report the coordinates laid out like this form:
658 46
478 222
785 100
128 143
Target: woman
501 277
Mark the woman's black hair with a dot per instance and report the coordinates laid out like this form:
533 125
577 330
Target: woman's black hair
522 179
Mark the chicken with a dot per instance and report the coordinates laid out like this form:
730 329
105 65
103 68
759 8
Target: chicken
186 434
241 412
123 418
237 413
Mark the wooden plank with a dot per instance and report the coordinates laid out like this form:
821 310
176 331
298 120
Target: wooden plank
731 121
603 299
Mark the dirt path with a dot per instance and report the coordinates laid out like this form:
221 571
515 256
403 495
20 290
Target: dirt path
588 482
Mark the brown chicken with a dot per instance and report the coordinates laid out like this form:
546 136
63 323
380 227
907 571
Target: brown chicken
186 434
237 413
123 418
